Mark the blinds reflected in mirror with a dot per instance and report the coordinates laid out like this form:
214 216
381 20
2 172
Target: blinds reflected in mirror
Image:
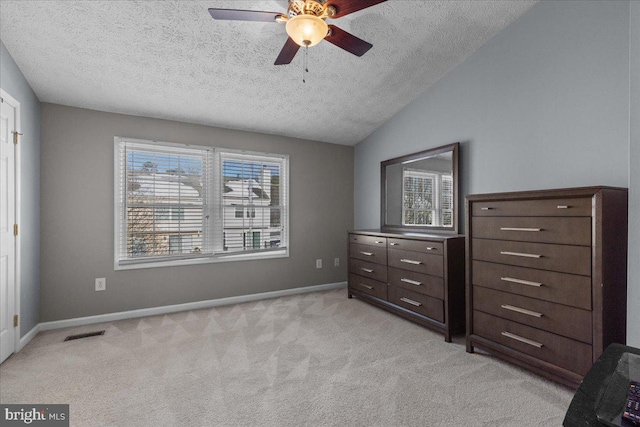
427 198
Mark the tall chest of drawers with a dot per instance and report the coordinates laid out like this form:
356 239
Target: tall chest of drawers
419 277
546 277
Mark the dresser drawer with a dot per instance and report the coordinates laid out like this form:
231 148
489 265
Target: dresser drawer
559 319
435 248
547 207
567 289
377 254
368 286
368 269
567 231
420 303
416 261
562 258
564 352
368 240
417 282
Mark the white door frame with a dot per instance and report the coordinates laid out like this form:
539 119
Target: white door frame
14 103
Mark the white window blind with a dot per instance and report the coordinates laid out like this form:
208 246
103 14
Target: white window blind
252 206
162 197
177 203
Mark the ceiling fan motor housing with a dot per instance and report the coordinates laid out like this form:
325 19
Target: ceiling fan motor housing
310 7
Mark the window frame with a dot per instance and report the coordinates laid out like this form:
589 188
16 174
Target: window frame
209 222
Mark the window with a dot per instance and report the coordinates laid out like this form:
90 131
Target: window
427 198
256 185
184 204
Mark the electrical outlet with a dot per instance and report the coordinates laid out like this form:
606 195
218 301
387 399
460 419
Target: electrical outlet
318 263
101 284
336 262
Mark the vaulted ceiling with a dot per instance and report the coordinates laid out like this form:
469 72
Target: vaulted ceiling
171 60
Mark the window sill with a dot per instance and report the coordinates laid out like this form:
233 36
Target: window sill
204 260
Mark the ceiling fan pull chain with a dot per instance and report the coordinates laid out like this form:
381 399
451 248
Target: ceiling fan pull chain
305 68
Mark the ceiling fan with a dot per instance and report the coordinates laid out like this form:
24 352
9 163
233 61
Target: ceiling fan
305 24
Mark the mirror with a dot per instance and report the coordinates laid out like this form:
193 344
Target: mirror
419 191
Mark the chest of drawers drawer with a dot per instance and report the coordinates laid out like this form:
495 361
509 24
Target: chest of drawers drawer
562 258
559 319
569 354
368 286
368 269
364 239
434 248
420 303
419 262
541 207
417 282
377 254
567 289
565 231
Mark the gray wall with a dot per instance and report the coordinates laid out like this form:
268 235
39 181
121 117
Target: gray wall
77 229
633 303
12 81
544 104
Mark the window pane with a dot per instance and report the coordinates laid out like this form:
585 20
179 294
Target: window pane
164 202
253 182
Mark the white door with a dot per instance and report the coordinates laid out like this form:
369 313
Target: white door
7 221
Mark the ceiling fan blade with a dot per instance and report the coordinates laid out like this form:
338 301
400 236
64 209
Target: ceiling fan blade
347 41
345 7
287 53
243 15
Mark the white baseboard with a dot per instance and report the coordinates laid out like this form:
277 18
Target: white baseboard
28 337
110 317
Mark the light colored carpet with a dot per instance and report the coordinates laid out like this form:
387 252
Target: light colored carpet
317 359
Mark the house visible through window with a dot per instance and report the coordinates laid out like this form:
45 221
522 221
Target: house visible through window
179 203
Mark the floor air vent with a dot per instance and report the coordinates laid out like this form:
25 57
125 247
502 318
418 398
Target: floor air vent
87 335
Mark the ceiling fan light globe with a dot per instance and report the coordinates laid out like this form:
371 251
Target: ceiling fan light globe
307 30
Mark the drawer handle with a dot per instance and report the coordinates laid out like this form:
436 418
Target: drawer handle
521 339
486 209
394 244
366 270
429 248
519 229
410 301
521 310
520 281
378 241
410 261
563 207
411 282
366 286
520 254
366 253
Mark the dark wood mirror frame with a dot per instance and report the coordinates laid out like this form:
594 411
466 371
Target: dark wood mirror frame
453 148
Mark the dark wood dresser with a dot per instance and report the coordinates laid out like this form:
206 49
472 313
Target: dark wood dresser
417 276
546 277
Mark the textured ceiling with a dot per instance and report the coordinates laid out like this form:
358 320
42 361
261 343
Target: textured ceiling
171 60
